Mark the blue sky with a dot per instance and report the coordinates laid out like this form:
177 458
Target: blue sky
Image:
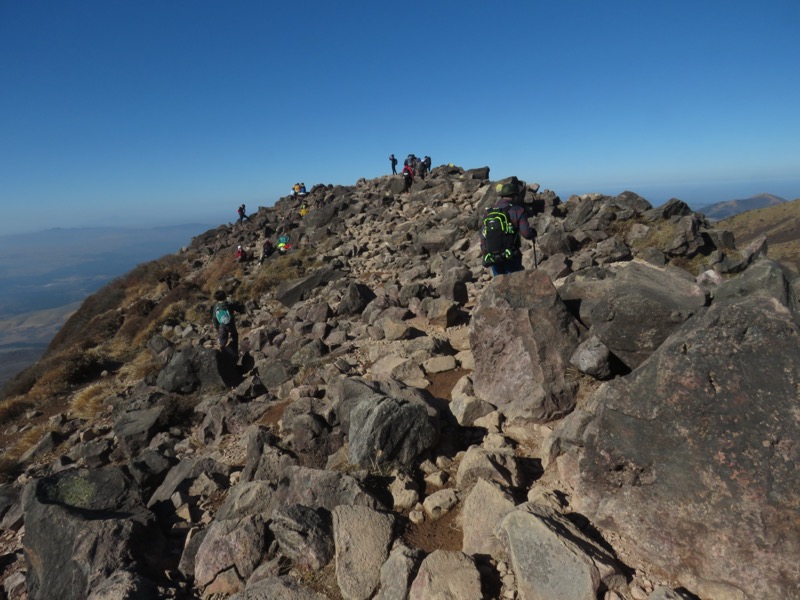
143 112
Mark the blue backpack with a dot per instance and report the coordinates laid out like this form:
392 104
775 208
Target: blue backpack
222 314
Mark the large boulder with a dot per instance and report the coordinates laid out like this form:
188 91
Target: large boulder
194 369
83 526
522 337
692 458
385 430
642 307
552 559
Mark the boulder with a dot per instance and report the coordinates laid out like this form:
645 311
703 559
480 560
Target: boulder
642 307
81 527
194 369
522 337
446 574
552 559
303 535
363 537
386 430
684 452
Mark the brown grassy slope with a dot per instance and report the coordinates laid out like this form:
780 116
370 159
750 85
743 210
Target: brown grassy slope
781 225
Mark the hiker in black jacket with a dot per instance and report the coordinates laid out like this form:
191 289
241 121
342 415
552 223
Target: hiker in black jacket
225 323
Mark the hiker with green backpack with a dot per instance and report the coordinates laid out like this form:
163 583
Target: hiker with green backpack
502 228
225 323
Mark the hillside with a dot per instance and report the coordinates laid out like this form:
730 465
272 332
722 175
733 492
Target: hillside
398 423
779 223
729 208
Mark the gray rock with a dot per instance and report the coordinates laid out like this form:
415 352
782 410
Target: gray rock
718 432
397 572
477 463
642 308
135 428
592 358
124 585
274 588
363 537
484 508
389 430
303 535
552 559
447 574
522 337
314 488
80 526
193 369
236 545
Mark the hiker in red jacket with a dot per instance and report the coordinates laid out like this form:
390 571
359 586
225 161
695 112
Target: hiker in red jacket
408 178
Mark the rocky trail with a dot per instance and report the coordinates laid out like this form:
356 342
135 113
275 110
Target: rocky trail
617 422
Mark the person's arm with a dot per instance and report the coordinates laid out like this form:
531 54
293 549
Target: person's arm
523 226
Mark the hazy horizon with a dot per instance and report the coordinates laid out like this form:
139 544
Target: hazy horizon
149 112
695 195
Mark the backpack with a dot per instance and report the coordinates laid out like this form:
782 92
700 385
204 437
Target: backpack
222 314
499 236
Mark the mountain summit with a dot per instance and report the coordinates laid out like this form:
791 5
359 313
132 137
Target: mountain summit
613 422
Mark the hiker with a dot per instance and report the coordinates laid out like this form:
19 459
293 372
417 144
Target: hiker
393 160
223 320
266 250
303 210
502 228
283 244
302 190
427 162
241 254
421 169
242 215
295 190
408 178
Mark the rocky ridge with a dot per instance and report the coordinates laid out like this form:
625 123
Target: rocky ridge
619 421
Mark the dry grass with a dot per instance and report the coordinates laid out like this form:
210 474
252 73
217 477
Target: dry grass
278 269
62 371
87 403
12 408
10 465
139 367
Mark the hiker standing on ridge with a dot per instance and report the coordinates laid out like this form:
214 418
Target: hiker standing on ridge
393 160
502 228
242 215
225 323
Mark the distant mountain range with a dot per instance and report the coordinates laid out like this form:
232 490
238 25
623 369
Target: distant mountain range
729 208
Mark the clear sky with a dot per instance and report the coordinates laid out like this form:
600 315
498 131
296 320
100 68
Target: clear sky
138 112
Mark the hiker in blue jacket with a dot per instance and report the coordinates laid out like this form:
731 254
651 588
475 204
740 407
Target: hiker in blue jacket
225 323
500 248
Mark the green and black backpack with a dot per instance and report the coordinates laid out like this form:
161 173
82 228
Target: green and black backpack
499 235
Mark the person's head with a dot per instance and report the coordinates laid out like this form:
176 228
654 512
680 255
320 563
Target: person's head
219 295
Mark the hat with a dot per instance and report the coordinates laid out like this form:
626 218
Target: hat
239 248
507 189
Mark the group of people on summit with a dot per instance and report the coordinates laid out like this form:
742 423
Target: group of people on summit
503 226
413 166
